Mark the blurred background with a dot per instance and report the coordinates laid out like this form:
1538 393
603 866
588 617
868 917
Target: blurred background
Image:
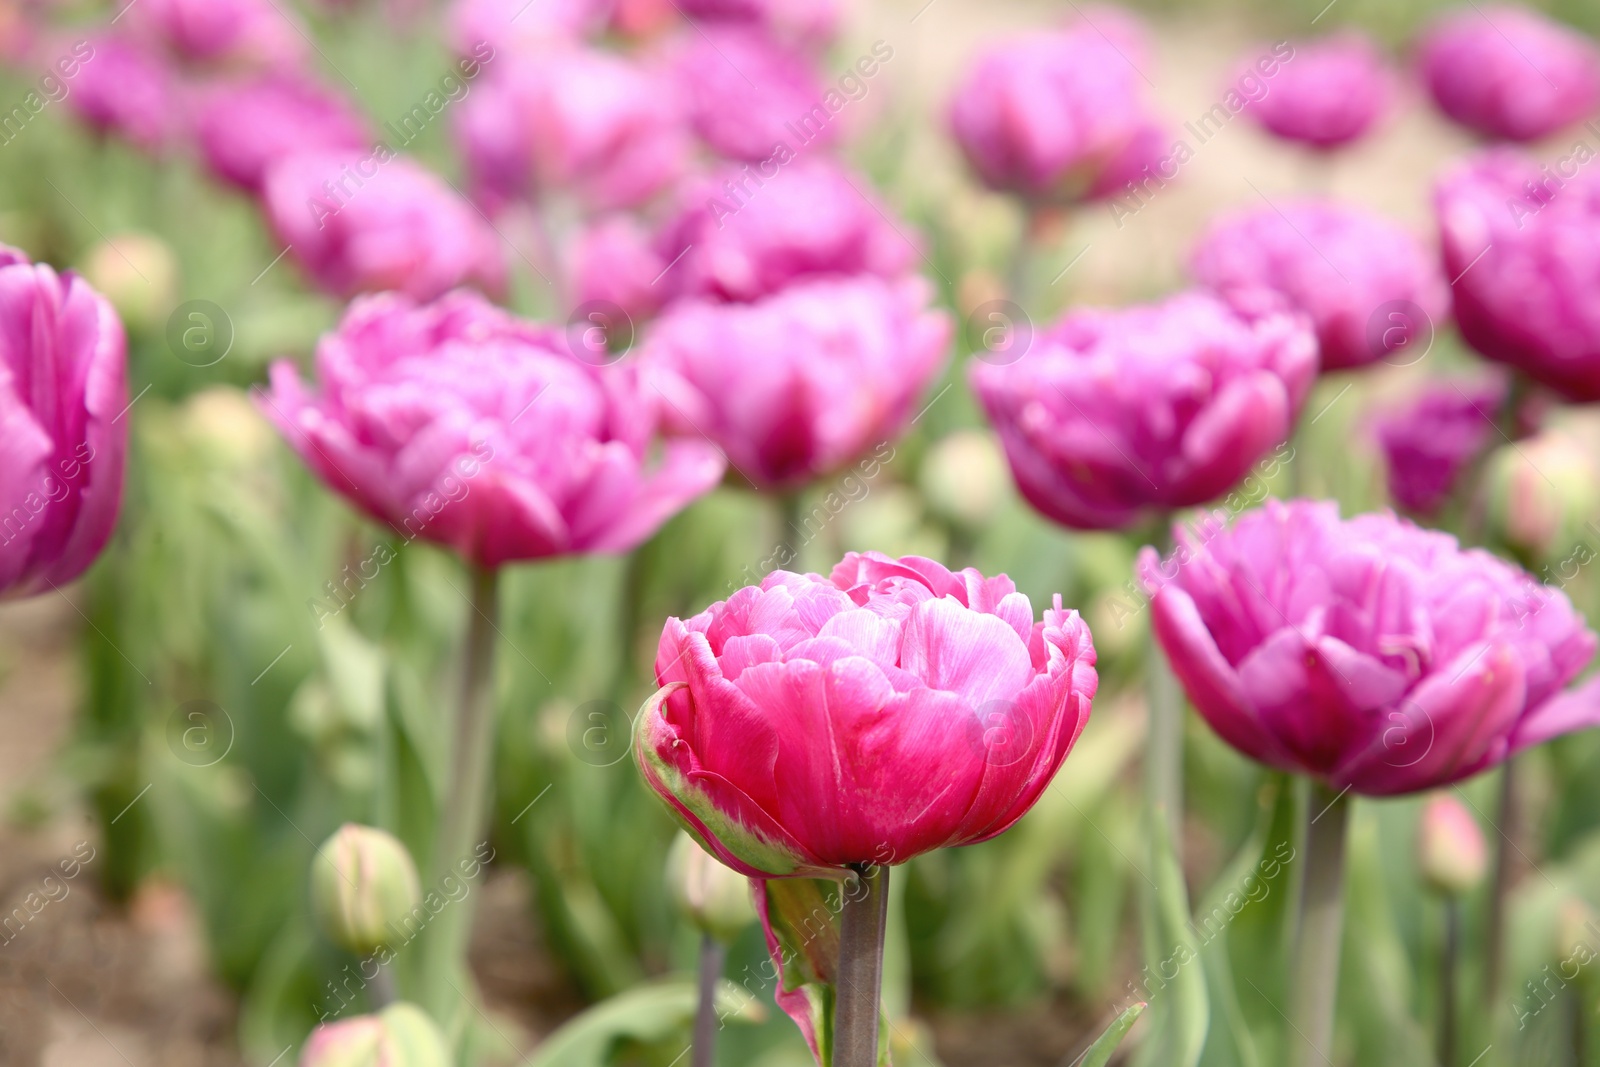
195 716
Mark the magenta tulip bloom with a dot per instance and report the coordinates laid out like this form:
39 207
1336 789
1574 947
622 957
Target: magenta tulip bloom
742 235
521 28
370 222
752 98
459 424
1509 72
579 122
63 397
126 91
1164 406
1370 287
1331 93
799 384
812 23
1431 441
1369 654
1045 115
614 263
260 33
1523 245
243 128
810 724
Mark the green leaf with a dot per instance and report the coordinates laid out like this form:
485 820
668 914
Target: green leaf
1099 1053
1184 1007
649 1014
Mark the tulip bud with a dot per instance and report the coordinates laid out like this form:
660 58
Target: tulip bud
401 1035
138 273
1452 853
964 478
1541 493
714 897
1577 933
362 881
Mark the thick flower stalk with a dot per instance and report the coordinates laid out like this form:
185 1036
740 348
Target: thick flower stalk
1333 92
1523 245
1113 413
1371 288
63 406
1508 72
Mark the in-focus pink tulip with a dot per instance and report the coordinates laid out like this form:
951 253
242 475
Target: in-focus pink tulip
1367 653
812 23
243 128
752 98
521 28
1333 91
743 235
371 222
577 122
127 91
800 384
614 262
811 724
1509 72
257 33
1523 247
1044 115
459 424
1164 406
1430 441
1371 288
63 449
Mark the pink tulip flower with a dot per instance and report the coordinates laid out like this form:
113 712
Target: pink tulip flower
1165 406
1367 653
752 98
1370 287
370 222
521 28
63 400
1509 72
127 91
457 423
1429 442
252 33
1332 92
802 383
746 233
615 263
811 724
810 23
1522 244
243 128
581 123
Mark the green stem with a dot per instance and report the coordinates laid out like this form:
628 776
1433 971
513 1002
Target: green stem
1509 821
1019 274
856 1007
1316 979
1164 752
464 814
713 957
1448 956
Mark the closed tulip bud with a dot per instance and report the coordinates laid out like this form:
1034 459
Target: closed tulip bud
708 893
401 1035
964 478
1541 493
1577 934
138 273
1452 853
362 882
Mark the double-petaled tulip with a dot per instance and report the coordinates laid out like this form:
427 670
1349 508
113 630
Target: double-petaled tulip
1164 406
576 121
1371 288
257 33
809 725
1332 92
615 262
806 22
459 424
1045 115
63 395
742 236
753 98
376 221
401 1035
1523 245
523 28
1508 72
1431 440
801 383
243 128
126 91
1367 653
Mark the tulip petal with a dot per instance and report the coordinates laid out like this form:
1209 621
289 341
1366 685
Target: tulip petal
978 657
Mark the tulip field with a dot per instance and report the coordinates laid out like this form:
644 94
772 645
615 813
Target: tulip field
768 533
